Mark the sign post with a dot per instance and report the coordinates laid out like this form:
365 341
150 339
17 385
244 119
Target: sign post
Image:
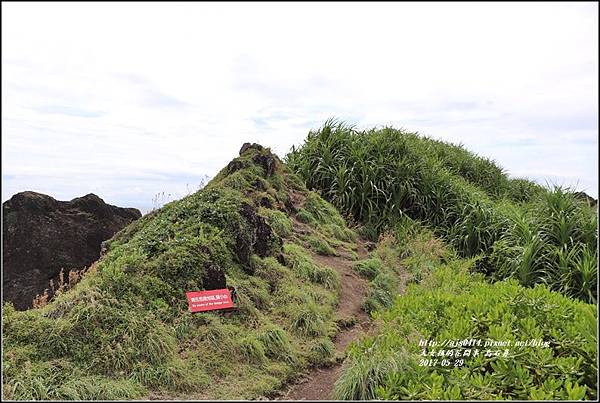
209 300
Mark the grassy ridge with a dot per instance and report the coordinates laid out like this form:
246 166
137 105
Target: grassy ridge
517 228
410 191
446 302
125 331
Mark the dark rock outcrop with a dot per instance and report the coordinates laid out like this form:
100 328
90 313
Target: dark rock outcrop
42 235
257 238
213 278
263 158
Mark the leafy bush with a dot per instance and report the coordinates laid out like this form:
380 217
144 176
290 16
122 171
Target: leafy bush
452 304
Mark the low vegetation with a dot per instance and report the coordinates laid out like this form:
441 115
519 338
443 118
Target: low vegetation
124 330
518 229
383 270
445 301
486 258
462 252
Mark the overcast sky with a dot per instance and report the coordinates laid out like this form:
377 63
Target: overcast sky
131 100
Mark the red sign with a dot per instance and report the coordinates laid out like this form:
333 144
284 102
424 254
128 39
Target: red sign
209 300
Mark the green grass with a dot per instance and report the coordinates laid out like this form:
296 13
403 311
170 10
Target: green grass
312 320
304 266
326 219
320 245
368 268
438 212
519 229
322 352
383 268
278 220
124 331
449 302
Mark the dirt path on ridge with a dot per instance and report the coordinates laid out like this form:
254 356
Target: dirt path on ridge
319 383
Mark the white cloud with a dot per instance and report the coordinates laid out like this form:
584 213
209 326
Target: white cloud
129 100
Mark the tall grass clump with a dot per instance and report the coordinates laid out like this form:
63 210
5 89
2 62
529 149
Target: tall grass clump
304 266
551 240
515 227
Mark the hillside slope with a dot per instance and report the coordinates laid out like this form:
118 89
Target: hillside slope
451 335
438 213
125 331
447 216
517 228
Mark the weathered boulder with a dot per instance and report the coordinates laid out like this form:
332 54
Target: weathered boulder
42 235
213 278
263 157
257 237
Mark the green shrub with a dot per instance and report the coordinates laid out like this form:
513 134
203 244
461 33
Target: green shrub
452 304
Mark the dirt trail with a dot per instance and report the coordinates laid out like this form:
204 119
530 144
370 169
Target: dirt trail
319 383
